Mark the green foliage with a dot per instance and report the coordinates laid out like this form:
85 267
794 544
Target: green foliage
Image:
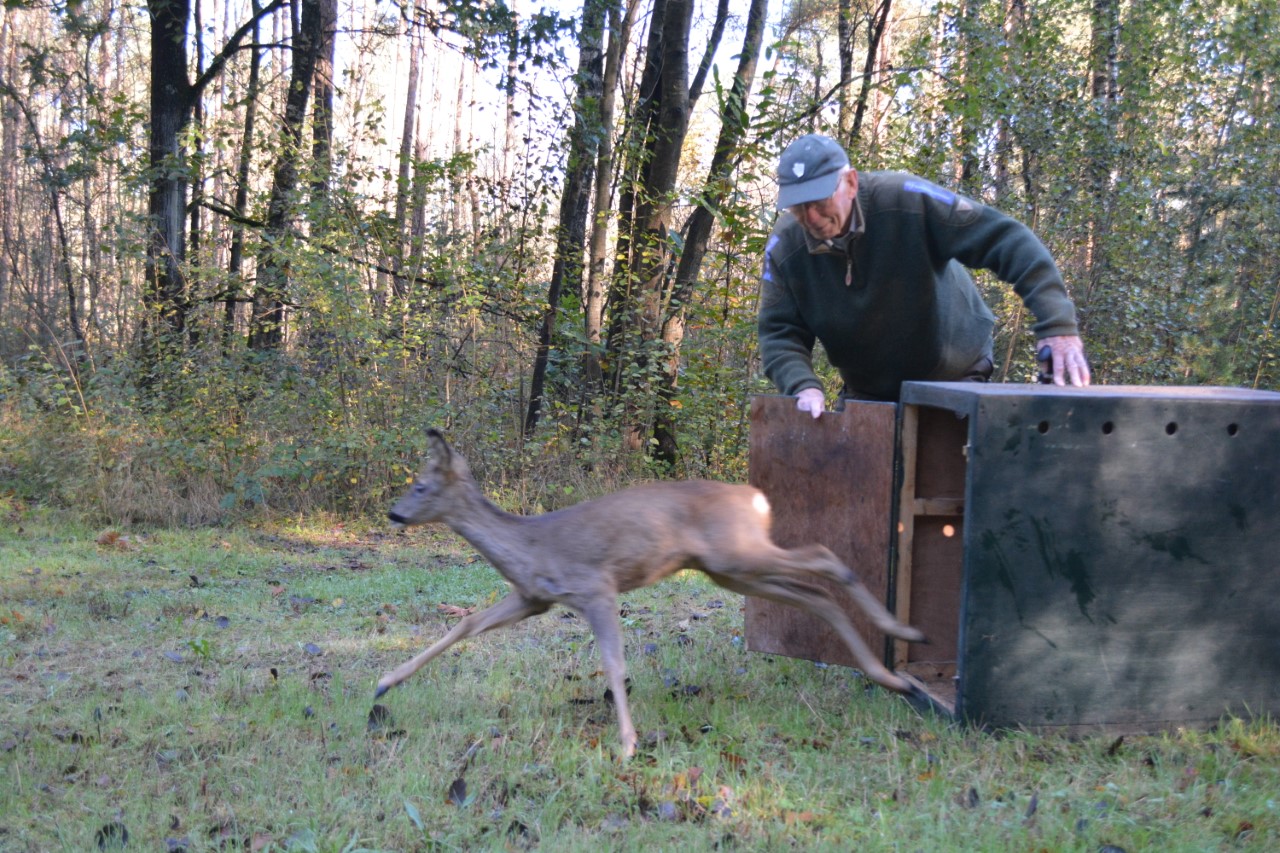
1158 203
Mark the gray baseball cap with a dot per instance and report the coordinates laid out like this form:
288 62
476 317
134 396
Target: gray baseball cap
809 170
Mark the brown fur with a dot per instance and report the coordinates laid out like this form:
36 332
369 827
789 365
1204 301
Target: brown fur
584 556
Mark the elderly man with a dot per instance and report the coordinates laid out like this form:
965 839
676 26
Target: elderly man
873 265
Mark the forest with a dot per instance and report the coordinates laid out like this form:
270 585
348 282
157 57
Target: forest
250 250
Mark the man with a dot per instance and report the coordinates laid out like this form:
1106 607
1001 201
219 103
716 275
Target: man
873 266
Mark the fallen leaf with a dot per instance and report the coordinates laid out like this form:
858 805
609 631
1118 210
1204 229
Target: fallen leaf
380 723
457 795
454 610
668 811
112 836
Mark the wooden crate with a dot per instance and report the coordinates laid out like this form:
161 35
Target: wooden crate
1102 558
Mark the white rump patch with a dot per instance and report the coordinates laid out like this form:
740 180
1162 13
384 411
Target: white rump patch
760 503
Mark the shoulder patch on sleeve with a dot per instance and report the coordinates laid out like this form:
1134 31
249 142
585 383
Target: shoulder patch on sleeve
933 191
770 290
962 209
767 273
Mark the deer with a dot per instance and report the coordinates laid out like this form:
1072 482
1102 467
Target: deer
585 555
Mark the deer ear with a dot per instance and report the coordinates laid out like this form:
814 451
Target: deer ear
439 447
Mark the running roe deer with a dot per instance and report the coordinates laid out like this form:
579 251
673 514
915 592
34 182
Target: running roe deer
585 555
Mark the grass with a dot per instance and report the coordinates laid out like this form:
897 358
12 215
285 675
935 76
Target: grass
211 689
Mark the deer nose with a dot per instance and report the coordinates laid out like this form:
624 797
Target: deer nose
397 518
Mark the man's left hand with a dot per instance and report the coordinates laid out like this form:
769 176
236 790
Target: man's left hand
1069 364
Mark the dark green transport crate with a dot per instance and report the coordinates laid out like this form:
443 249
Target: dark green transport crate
1101 558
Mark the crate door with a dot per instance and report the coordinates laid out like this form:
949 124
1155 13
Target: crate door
829 481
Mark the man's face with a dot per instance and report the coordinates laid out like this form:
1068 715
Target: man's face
829 218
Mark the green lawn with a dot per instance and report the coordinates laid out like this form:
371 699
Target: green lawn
211 689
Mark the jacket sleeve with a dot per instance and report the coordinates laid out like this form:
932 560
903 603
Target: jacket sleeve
786 344
982 237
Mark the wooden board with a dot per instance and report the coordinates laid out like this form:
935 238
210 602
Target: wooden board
829 481
930 549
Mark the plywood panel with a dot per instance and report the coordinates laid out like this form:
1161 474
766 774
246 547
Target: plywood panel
940 454
937 563
829 481
931 558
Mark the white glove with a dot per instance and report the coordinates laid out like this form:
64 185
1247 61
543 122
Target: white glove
811 400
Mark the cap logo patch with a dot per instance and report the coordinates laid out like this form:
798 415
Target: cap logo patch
798 168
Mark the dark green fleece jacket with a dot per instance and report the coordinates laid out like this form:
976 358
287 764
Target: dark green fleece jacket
892 301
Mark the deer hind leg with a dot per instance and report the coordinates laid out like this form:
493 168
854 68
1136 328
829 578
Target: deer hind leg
798 593
819 560
602 615
509 610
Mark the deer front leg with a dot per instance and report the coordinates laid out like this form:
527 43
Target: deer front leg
602 615
509 610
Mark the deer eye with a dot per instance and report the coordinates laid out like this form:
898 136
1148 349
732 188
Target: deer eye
419 488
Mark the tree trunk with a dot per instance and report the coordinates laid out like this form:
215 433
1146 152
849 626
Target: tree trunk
173 96
322 108
640 309
9 244
510 122
1006 144
970 112
593 297
164 296
404 175
1104 90
735 120
195 228
61 245
266 326
846 32
877 33
574 200
240 205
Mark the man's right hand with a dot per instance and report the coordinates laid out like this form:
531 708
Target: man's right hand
811 400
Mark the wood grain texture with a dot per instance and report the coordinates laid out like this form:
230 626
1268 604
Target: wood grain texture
829 481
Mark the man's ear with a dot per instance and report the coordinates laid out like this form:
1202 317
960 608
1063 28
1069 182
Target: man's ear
852 177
